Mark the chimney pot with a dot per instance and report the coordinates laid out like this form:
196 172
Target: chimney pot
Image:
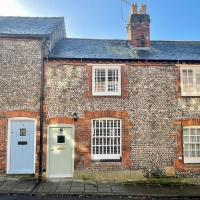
134 9
143 9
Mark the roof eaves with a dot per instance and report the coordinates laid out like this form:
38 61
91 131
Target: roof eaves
124 60
29 36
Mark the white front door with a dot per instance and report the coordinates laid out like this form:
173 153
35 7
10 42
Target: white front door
61 152
22 143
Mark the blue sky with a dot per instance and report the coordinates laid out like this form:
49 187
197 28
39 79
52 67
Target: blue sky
170 19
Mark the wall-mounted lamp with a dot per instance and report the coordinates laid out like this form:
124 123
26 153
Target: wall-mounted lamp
75 116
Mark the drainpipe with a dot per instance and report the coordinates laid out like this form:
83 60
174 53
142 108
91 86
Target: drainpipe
41 112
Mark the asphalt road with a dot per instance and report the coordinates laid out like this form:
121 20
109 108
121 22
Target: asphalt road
27 197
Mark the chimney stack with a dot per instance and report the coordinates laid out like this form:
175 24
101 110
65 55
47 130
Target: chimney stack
139 27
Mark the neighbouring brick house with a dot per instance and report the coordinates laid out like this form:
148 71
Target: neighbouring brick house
109 105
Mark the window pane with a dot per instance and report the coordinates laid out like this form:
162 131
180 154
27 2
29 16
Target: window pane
186 138
193 139
112 80
198 153
100 80
185 80
190 80
192 154
184 72
198 147
198 80
185 88
190 72
185 131
191 88
192 131
60 139
186 153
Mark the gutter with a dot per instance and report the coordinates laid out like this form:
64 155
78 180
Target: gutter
25 36
122 60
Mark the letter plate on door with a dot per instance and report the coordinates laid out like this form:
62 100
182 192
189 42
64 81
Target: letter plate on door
22 142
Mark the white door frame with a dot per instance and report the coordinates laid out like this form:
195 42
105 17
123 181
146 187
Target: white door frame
9 139
48 152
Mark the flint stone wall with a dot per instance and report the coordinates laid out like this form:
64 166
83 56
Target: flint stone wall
152 105
20 74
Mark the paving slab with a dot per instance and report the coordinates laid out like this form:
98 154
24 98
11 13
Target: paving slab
119 189
47 187
90 186
103 184
17 186
78 184
91 191
104 190
63 187
7 186
77 189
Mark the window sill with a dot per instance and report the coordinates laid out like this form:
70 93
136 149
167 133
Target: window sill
106 94
190 95
106 160
195 160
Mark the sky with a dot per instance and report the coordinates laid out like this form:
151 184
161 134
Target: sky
107 19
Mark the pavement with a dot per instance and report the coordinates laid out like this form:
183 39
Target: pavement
80 187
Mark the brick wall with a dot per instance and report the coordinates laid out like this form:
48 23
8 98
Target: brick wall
83 140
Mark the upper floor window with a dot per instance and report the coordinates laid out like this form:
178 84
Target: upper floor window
190 81
106 80
106 139
191 144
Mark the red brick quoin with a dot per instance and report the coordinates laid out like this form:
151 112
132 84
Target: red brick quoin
179 162
83 140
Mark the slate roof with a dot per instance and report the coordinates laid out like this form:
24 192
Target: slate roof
119 49
29 26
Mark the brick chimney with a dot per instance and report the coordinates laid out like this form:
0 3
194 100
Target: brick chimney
139 27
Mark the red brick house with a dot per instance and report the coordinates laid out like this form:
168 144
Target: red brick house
97 105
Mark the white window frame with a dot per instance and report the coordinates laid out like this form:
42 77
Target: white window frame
106 67
190 159
194 68
102 156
